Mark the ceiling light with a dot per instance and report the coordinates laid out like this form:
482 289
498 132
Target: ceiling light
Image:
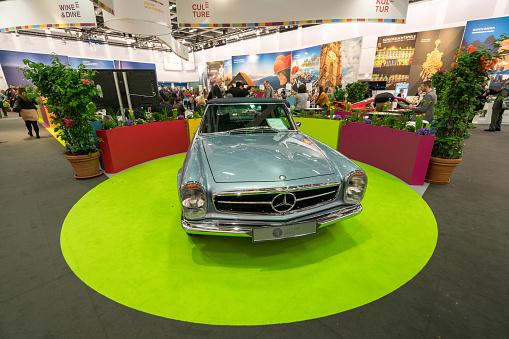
193 30
237 37
64 42
257 32
183 41
267 30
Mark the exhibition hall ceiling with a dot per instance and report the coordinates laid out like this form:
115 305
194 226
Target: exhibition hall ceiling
196 38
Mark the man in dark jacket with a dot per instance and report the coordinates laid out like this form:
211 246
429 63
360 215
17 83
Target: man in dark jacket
180 108
238 92
216 90
497 110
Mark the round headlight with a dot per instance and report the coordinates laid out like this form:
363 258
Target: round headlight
355 187
193 200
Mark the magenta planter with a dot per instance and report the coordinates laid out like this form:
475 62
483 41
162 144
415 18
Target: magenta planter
128 146
403 154
343 114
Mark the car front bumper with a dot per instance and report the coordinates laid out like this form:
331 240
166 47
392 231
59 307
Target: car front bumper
245 228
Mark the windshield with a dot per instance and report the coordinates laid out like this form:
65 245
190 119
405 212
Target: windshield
246 117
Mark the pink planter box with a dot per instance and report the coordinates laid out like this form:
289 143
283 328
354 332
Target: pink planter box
403 154
128 146
343 114
259 94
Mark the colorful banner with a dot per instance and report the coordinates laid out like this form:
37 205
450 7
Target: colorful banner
234 13
393 59
172 62
10 60
227 71
106 5
91 63
330 65
484 33
305 66
271 67
434 50
26 14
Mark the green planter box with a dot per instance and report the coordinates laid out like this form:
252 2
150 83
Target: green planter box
324 130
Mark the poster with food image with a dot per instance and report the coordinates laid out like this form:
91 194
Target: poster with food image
434 50
215 73
271 67
484 33
305 66
394 58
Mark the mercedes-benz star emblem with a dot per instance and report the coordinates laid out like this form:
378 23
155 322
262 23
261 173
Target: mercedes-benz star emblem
283 202
277 233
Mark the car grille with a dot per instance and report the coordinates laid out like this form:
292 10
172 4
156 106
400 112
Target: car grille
263 201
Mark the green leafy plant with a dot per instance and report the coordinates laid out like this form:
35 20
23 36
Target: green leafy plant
457 91
410 128
356 90
69 93
339 94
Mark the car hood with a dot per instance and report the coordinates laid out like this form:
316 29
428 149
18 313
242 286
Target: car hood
264 157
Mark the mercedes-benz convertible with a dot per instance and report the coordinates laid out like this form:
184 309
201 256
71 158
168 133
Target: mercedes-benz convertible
250 172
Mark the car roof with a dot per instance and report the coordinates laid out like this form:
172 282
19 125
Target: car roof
245 100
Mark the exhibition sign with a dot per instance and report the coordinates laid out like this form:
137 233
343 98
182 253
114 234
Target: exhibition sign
189 64
485 32
139 17
91 63
271 67
27 14
415 57
234 13
172 62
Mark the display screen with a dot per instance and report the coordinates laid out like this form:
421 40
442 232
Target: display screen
401 90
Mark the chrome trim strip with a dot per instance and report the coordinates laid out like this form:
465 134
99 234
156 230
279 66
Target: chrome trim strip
244 202
316 196
246 228
287 189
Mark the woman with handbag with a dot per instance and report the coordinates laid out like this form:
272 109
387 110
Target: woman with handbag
28 111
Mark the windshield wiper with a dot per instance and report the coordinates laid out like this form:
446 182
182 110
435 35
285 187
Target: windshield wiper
258 129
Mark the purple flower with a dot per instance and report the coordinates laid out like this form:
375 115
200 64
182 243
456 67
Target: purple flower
336 117
423 131
367 121
441 70
180 117
129 123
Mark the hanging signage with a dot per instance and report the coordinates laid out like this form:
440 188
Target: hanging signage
189 64
232 13
140 17
27 14
172 62
179 49
106 5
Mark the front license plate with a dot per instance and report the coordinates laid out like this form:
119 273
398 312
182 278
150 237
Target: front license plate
282 232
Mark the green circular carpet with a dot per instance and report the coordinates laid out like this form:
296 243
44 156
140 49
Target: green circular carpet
124 240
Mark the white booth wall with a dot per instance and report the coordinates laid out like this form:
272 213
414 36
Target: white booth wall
422 16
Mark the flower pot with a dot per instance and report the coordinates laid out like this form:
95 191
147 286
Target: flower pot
440 170
86 166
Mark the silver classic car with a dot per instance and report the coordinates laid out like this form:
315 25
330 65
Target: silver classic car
250 172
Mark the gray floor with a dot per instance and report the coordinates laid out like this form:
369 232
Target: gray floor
461 293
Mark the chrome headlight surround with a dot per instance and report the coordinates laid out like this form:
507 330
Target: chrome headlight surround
355 187
193 200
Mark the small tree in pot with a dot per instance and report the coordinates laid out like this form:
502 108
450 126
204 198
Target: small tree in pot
68 94
457 91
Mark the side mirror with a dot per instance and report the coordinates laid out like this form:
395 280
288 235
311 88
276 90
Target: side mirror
298 123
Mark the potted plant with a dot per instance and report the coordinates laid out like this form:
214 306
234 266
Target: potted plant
68 94
356 91
457 91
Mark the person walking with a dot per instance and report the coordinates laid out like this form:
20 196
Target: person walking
269 91
497 111
28 112
4 100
